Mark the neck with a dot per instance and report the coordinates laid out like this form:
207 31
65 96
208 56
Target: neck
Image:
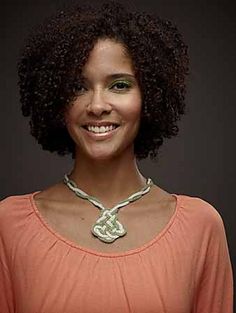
110 181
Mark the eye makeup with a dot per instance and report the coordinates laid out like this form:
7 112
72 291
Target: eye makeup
122 82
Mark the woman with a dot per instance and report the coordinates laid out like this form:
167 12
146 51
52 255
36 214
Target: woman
107 85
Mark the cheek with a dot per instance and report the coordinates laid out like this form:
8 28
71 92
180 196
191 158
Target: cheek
71 115
134 109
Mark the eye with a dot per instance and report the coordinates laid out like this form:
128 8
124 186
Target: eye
80 88
121 85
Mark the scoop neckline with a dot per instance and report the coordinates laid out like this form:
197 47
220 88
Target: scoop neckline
100 253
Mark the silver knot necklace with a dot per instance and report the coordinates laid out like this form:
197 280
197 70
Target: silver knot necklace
107 228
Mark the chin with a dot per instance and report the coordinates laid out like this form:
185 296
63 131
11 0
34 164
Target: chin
103 156
103 153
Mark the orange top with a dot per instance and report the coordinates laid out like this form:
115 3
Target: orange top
185 269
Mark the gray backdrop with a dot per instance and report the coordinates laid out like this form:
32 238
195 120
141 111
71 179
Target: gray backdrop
200 161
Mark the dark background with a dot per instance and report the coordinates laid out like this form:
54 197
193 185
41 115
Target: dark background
199 162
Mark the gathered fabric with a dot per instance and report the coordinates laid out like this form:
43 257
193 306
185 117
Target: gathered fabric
186 268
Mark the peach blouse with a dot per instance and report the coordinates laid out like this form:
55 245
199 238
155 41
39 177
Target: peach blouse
186 268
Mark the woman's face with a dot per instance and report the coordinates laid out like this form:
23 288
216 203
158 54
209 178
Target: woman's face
104 118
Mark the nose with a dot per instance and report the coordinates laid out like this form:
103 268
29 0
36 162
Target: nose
97 104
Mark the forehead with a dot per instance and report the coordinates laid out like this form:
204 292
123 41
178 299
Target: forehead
107 56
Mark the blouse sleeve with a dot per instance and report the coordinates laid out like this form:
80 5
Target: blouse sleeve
215 289
6 293
6 298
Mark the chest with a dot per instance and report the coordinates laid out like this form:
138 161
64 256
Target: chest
142 222
69 280
58 277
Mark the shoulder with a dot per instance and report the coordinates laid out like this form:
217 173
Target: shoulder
14 206
201 213
14 200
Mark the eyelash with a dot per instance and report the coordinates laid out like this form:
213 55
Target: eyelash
124 83
127 84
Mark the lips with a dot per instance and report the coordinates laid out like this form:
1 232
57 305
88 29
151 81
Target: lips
99 124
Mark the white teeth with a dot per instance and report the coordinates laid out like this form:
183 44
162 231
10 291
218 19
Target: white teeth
101 129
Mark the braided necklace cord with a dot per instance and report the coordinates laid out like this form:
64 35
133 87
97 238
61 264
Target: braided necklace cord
107 227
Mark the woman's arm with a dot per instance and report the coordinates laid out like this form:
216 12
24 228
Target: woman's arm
6 294
6 291
215 290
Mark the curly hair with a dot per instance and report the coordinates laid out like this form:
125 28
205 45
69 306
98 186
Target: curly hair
52 60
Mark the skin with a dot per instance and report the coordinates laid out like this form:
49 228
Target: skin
106 169
105 98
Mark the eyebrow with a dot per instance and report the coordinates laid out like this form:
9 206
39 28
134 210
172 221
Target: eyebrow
115 75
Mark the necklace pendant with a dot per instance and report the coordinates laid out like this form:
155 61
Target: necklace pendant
107 227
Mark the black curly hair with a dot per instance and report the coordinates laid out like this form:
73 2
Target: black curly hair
52 60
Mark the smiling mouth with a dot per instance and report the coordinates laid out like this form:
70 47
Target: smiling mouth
100 130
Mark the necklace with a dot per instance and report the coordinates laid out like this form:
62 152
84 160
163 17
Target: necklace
107 228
